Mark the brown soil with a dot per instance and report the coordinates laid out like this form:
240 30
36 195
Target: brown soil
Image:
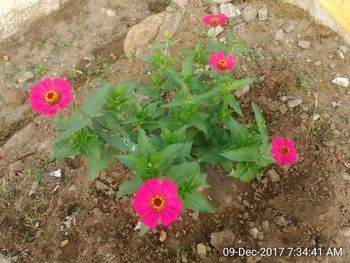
312 195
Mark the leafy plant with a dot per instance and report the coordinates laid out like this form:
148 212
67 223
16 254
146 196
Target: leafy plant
41 70
183 118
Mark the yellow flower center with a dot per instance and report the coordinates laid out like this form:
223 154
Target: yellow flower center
158 203
214 20
284 151
222 64
52 97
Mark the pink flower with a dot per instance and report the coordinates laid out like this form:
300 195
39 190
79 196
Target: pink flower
283 151
221 62
157 200
50 95
215 20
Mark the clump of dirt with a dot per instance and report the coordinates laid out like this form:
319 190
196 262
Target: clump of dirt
71 219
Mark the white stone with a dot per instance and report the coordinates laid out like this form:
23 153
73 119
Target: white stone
304 44
344 82
279 35
142 34
294 103
15 15
273 175
201 250
241 92
262 14
254 232
344 49
340 54
316 116
25 76
180 3
108 12
215 31
228 10
249 13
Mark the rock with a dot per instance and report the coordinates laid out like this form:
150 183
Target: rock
214 9
265 225
316 116
108 12
222 239
279 35
335 104
304 44
4 259
101 187
16 166
239 93
280 221
215 31
162 236
254 232
220 1
249 13
142 34
195 215
343 49
169 27
283 98
180 3
344 82
33 188
290 26
184 258
273 175
262 14
14 97
90 57
294 103
283 108
228 10
64 243
340 54
201 250
317 63
346 176
25 76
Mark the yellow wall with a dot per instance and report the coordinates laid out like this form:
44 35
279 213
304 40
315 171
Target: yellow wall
340 10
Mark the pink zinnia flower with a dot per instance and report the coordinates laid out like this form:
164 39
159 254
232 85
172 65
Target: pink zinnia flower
283 151
50 95
221 62
215 20
157 200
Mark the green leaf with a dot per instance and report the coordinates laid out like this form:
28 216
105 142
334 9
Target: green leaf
249 153
213 46
64 148
115 142
165 157
92 148
145 146
179 174
187 67
129 187
133 161
76 123
143 229
97 165
93 103
232 85
260 122
234 104
196 202
239 132
199 123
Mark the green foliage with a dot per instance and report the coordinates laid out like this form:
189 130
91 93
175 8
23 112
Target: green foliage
183 118
41 70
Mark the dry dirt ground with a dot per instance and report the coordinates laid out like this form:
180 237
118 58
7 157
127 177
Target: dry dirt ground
70 219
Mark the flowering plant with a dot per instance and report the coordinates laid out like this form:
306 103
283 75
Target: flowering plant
165 130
